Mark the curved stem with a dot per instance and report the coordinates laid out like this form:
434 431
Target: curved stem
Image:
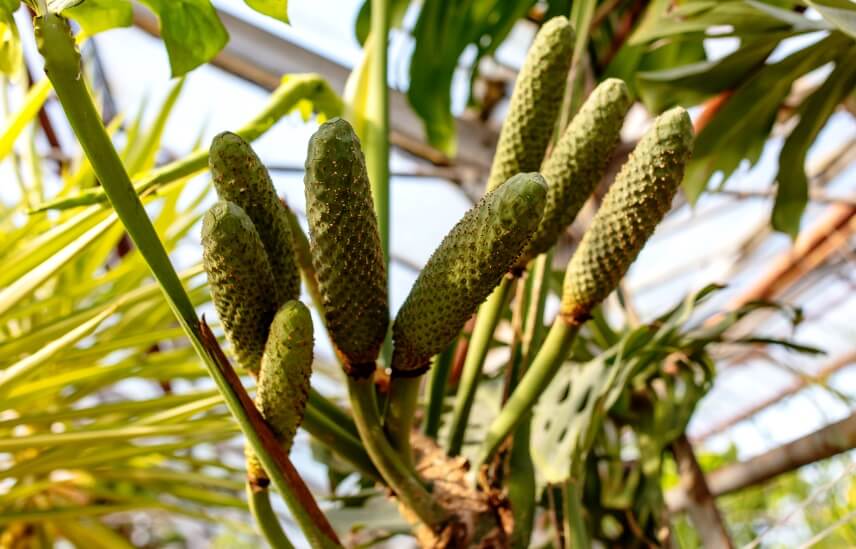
403 400
486 321
542 370
407 487
258 500
62 65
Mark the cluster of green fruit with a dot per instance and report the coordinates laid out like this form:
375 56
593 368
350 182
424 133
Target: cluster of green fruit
255 280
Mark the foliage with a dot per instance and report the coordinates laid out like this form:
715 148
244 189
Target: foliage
779 507
658 48
191 29
106 410
82 297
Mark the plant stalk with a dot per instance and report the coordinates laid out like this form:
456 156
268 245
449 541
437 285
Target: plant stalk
63 67
576 532
533 333
407 487
486 321
441 367
403 400
258 500
550 357
376 144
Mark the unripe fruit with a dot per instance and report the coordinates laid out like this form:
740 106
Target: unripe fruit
535 103
465 268
283 385
637 201
241 280
345 245
579 160
240 177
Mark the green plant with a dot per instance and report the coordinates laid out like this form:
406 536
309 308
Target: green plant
115 320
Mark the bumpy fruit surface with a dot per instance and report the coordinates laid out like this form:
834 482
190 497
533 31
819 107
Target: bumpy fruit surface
464 269
283 385
240 177
535 103
637 201
241 280
345 245
579 160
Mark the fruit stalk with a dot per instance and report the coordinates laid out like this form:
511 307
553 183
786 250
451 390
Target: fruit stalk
491 312
633 206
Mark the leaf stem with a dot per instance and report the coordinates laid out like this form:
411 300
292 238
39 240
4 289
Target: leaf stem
441 367
377 121
63 67
533 332
258 500
486 321
550 357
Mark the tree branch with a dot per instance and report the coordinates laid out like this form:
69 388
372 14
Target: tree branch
701 504
824 443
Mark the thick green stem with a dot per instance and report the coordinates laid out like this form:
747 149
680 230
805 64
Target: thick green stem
520 485
376 143
441 367
403 400
62 65
542 370
574 515
488 317
258 500
407 487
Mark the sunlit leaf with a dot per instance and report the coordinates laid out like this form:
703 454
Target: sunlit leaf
96 16
792 191
841 13
10 44
741 127
735 18
688 85
8 7
278 9
191 31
